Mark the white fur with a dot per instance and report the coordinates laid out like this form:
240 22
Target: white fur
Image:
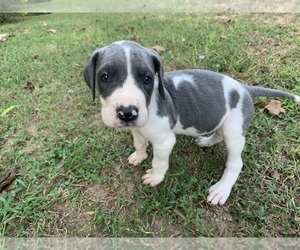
297 98
177 80
234 141
156 131
178 129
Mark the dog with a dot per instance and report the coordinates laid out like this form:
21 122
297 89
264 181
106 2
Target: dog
135 93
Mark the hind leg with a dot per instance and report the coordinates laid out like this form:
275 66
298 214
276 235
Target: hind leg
234 130
215 138
219 193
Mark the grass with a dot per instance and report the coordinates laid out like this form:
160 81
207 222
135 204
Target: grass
73 177
161 6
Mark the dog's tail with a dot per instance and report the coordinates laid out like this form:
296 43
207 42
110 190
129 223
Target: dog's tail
260 91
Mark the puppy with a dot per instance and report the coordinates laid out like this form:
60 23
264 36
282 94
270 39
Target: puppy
136 93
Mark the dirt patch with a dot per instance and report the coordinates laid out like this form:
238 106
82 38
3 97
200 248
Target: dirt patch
9 143
268 46
221 219
105 192
69 218
32 130
99 193
160 227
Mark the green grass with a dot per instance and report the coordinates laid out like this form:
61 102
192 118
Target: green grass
73 177
161 6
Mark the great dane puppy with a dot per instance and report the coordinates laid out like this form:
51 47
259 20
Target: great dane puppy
136 93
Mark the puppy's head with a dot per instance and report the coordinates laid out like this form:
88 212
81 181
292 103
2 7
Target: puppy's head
126 76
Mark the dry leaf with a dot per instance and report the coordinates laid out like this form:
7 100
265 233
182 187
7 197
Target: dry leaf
223 37
3 37
276 175
274 107
7 182
29 86
130 29
158 48
53 31
261 105
134 38
25 31
225 19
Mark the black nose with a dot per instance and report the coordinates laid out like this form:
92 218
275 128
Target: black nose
128 113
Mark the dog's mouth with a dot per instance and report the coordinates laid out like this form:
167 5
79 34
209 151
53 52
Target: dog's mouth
134 124
117 123
125 116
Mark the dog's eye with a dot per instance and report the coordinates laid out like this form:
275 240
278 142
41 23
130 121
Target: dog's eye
104 78
147 79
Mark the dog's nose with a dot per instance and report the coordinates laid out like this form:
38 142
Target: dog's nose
128 113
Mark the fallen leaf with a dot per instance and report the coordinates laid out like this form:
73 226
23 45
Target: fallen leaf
6 182
4 37
25 31
53 31
274 107
29 86
225 19
134 38
223 37
44 23
276 175
130 29
261 104
158 48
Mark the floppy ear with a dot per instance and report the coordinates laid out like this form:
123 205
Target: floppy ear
89 73
160 72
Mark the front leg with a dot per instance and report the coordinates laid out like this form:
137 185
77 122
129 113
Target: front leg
160 163
140 144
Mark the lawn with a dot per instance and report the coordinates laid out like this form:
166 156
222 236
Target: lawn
73 178
147 6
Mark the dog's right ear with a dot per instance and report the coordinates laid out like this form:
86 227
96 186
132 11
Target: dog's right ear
89 73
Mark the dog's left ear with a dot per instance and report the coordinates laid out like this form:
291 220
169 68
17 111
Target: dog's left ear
160 72
89 73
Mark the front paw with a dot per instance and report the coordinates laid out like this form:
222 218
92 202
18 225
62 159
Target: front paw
152 179
219 193
136 159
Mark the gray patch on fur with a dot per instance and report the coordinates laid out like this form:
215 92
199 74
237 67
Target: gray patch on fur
200 104
234 98
114 66
142 65
166 107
